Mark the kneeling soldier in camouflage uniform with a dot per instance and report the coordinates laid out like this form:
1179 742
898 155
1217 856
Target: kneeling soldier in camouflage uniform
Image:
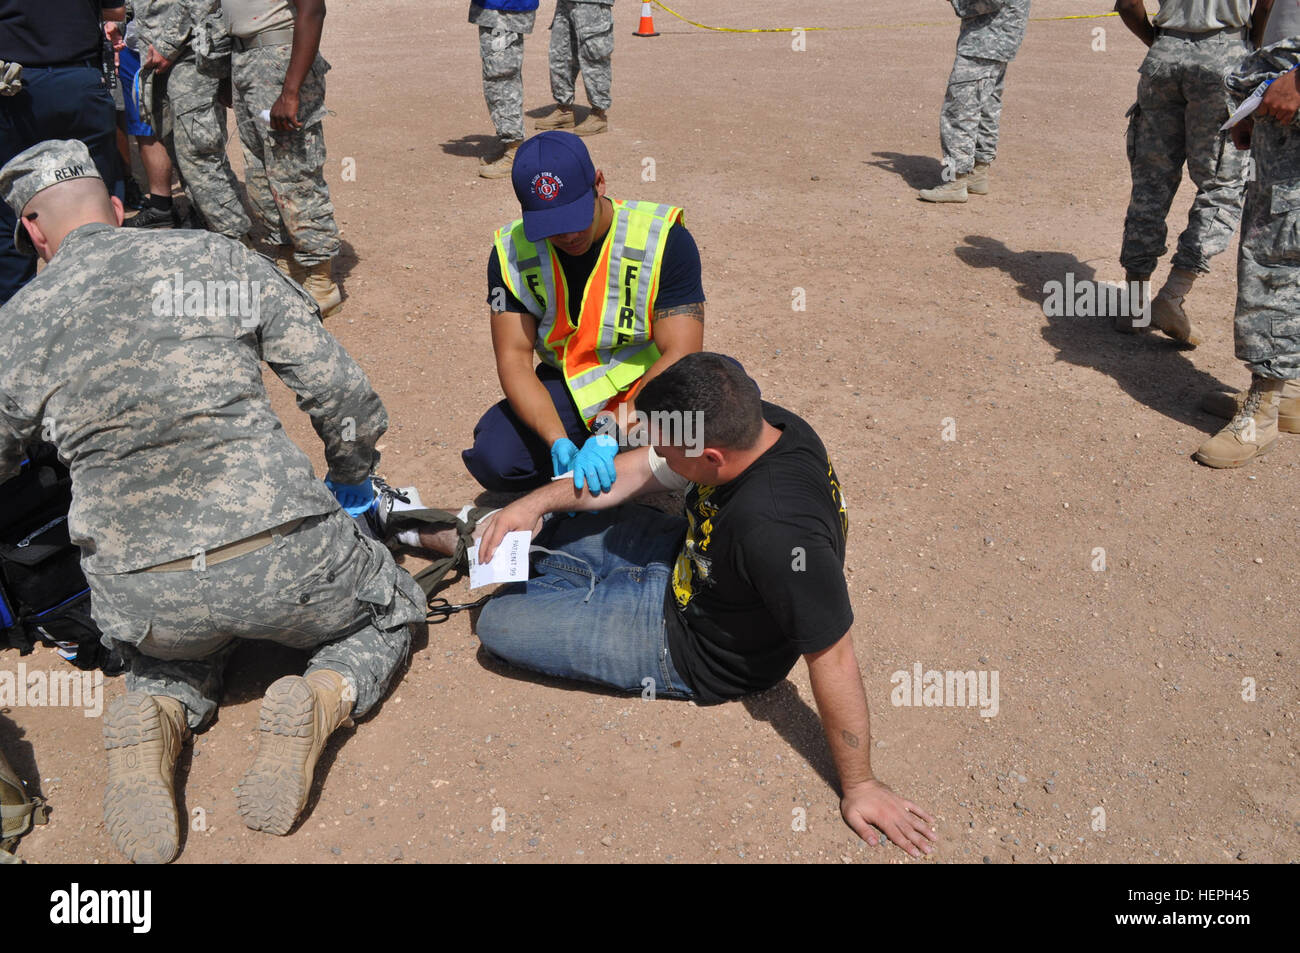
139 355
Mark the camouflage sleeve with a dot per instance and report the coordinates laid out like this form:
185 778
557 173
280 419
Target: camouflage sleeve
17 429
348 415
178 26
154 18
1263 64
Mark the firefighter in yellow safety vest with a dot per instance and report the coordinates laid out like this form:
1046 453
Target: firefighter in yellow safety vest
606 292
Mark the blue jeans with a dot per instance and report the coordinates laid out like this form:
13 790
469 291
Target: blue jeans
594 611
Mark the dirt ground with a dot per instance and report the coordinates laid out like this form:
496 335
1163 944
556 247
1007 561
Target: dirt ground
1121 735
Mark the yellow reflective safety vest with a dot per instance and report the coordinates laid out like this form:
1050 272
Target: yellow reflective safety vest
612 346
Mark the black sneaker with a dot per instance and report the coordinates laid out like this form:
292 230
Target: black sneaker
150 217
134 197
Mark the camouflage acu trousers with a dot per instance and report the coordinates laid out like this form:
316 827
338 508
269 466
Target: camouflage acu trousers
972 109
323 587
1267 325
1181 103
582 39
284 172
199 147
502 51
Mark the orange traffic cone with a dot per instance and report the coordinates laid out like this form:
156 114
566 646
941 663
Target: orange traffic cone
647 27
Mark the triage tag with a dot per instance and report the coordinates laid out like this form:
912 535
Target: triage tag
509 563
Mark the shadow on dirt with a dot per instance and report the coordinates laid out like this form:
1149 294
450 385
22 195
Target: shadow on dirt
1149 367
919 172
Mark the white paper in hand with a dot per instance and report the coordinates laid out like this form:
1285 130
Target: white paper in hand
509 563
1248 106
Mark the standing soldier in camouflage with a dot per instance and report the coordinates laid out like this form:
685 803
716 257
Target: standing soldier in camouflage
1267 326
991 34
139 355
196 119
1181 103
502 25
582 39
276 68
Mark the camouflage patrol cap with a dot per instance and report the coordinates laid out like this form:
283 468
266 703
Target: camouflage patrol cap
35 170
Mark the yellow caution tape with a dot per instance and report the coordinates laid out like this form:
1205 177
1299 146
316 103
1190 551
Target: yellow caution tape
872 26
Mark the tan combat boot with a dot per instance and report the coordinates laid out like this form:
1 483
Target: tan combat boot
1167 308
1122 320
143 735
977 183
954 191
1251 433
499 166
595 121
560 118
1228 405
298 715
287 264
318 281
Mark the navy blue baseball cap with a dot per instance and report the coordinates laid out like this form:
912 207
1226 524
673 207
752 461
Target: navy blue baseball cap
555 183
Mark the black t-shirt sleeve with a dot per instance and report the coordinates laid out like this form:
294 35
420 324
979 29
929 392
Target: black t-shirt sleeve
679 278
497 290
800 577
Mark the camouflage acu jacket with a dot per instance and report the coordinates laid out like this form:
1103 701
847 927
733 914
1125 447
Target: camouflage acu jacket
139 355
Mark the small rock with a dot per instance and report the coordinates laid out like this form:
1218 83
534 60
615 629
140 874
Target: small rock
987 859
1019 807
336 850
395 853
607 840
1050 787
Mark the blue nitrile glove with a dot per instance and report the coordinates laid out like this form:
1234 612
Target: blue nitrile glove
356 498
594 464
562 453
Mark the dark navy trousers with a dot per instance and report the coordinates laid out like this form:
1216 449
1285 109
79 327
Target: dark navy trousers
68 102
507 456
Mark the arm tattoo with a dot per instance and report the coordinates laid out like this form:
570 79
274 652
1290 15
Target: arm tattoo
695 310
850 738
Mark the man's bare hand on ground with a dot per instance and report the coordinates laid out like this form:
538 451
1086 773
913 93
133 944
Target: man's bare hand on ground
873 803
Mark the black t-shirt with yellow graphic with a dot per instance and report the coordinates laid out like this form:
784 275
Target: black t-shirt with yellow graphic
760 578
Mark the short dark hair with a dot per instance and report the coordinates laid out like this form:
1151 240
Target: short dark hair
716 387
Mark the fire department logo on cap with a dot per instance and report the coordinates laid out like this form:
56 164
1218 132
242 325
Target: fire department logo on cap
547 185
